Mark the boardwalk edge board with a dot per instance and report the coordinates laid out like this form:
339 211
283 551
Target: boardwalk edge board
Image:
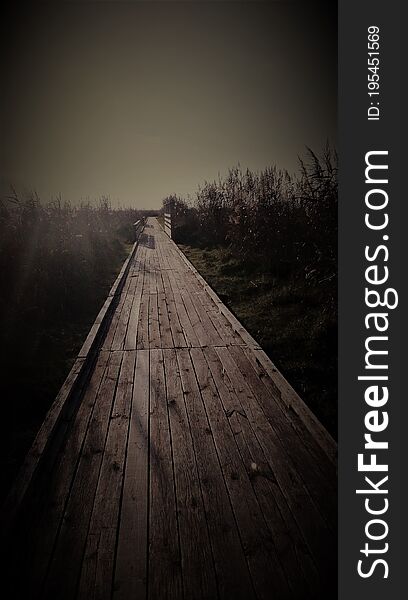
289 395
71 388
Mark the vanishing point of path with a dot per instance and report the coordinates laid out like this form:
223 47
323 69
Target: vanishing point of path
185 468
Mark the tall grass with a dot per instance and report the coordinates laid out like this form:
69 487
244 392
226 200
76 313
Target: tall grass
52 255
284 222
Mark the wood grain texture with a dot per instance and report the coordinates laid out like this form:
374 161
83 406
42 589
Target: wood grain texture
164 544
196 554
184 466
131 561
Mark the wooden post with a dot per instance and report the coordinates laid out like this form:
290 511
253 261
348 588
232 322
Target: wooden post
138 228
167 222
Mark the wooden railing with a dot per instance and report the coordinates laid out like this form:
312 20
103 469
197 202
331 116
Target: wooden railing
138 228
167 224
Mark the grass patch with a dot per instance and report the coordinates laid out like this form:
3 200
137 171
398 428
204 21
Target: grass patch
292 316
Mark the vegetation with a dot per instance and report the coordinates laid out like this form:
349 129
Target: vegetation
57 263
267 243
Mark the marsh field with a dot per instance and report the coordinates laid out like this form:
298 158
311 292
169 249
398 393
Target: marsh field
266 242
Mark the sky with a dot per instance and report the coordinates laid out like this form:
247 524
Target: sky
139 100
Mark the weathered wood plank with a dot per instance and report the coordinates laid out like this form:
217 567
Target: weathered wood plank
267 573
188 330
131 561
115 291
69 550
122 324
291 547
308 458
164 545
131 332
110 335
199 580
176 329
154 329
227 333
201 309
306 514
164 321
143 323
97 569
198 327
230 562
301 417
213 335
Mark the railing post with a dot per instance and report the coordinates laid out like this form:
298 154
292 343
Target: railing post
138 228
167 222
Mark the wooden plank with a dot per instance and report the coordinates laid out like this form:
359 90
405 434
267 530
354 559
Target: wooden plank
164 547
188 330
143 324
97 569
154 329
164 322
294 402
131 333
131 561
159 247
267 573
310 521
115 293
196 556
176 329
301 417
291 548
236 325
226 332
198 327
213 336
233 576
66 563
166 253
186 323
138 261
188 286
110 335
229 331
122 324
311 462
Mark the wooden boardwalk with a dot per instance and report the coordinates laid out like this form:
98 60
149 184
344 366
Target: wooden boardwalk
183 467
